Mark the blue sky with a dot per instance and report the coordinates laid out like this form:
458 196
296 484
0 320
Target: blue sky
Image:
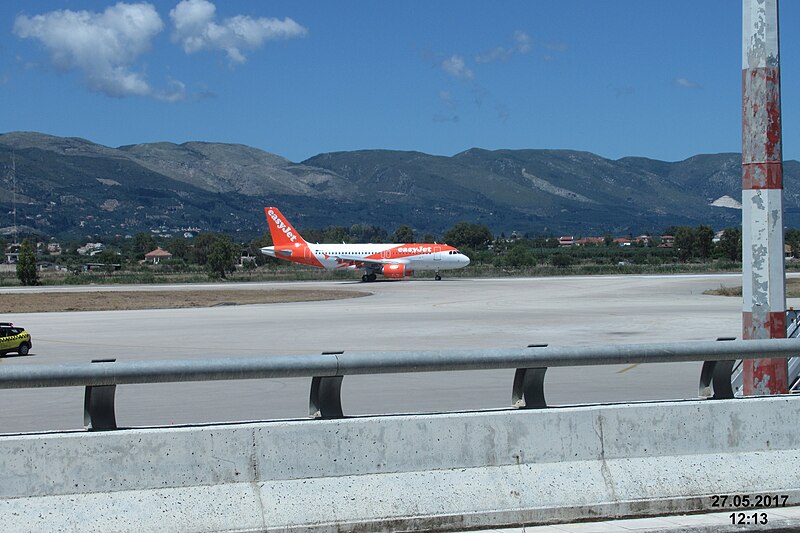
655 79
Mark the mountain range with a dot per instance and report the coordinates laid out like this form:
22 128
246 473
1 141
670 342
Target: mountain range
73 187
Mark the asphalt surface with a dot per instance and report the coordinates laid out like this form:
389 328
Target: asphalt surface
409 315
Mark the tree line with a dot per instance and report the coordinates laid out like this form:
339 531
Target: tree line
219 255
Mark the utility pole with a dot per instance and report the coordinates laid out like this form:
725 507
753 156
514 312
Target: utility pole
14 197
763 270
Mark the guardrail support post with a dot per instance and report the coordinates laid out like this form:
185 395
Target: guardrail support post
326 395
715 378
528 391
98 405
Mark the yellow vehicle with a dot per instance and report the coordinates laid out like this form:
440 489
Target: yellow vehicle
14 339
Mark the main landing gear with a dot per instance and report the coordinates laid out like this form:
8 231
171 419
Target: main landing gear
369 277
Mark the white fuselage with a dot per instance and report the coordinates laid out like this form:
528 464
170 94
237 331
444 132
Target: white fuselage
415 257
355 256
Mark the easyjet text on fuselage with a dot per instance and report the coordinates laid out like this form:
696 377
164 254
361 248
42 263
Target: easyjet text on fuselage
415 250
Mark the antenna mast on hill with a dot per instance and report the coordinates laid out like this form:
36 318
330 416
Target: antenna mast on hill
14 189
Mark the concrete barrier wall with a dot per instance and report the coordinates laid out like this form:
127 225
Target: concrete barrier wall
443 471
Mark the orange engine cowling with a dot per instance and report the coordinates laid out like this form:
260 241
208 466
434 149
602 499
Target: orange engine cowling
395 271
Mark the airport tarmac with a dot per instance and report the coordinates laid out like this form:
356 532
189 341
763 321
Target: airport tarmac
419 314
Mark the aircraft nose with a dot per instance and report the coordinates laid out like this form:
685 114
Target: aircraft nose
466 260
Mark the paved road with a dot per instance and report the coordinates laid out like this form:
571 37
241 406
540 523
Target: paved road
412 315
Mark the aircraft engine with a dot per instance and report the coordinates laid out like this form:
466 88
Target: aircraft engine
396 271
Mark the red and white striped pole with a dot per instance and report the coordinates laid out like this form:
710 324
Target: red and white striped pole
763 271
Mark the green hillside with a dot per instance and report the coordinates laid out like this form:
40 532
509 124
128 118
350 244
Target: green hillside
69 186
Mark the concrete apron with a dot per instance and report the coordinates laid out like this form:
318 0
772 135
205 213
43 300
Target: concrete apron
437 472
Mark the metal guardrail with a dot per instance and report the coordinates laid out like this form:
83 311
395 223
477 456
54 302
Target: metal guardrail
793 364
328 369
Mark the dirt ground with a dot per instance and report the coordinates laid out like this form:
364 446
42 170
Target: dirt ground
36 302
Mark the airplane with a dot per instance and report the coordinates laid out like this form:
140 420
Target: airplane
393 261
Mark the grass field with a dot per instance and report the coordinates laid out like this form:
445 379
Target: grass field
38 302
792 290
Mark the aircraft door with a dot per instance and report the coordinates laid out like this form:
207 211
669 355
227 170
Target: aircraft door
437 253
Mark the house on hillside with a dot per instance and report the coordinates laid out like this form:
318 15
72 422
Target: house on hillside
667 241
43 266
566 240
157 255
590 241
91 249
12 253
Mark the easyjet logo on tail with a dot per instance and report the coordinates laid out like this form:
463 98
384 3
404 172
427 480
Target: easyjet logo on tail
282 226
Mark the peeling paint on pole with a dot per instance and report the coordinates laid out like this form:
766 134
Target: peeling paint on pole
763 271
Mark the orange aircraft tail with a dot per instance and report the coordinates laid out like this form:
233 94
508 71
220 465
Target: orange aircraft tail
282 232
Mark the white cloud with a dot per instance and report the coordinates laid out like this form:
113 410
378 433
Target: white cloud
522 45
455 66
101 46
684 83
175 92
495 54
196 29
554 47
522 42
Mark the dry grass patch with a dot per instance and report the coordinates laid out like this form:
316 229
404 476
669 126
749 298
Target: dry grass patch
724 291
48 302
792 289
